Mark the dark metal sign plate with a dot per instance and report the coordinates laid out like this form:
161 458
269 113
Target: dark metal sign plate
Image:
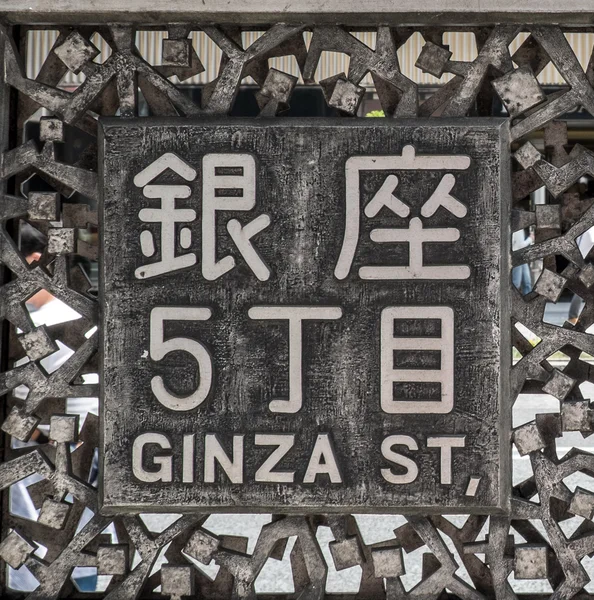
304 316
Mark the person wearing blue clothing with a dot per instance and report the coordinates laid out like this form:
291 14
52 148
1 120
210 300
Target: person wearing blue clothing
521 277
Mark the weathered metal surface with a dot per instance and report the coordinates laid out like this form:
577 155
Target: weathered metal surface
475 558
305 288
259 12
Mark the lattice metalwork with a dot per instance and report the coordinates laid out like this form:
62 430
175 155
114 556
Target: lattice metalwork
549 535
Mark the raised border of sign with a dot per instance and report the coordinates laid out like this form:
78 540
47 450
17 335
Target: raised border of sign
505 420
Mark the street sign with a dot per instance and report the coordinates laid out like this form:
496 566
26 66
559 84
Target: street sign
304 316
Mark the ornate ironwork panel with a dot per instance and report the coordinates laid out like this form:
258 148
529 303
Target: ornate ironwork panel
67 548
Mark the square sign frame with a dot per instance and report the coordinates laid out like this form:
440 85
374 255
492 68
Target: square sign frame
300 316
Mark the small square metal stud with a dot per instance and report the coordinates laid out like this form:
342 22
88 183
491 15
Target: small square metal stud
61 240
53 514
548 216
582 503
555 134
549 425
559 385
550 285
278 85
408 538
528 155
519 91
346 96
176 53
433 59
587 275
178 56
43 206
112 559
528 439
37 343
201 546
78 215
346 553
387 562
51 129
531 562
75 51
575 416
531 54
64 428
19 426
177 581
15 550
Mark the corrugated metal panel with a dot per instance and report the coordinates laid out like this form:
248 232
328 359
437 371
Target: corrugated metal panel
462 44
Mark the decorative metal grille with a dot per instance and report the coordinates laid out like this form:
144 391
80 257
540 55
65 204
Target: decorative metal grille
549 535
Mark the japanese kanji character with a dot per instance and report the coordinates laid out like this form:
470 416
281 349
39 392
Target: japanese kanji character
167 215
416 234
393 346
